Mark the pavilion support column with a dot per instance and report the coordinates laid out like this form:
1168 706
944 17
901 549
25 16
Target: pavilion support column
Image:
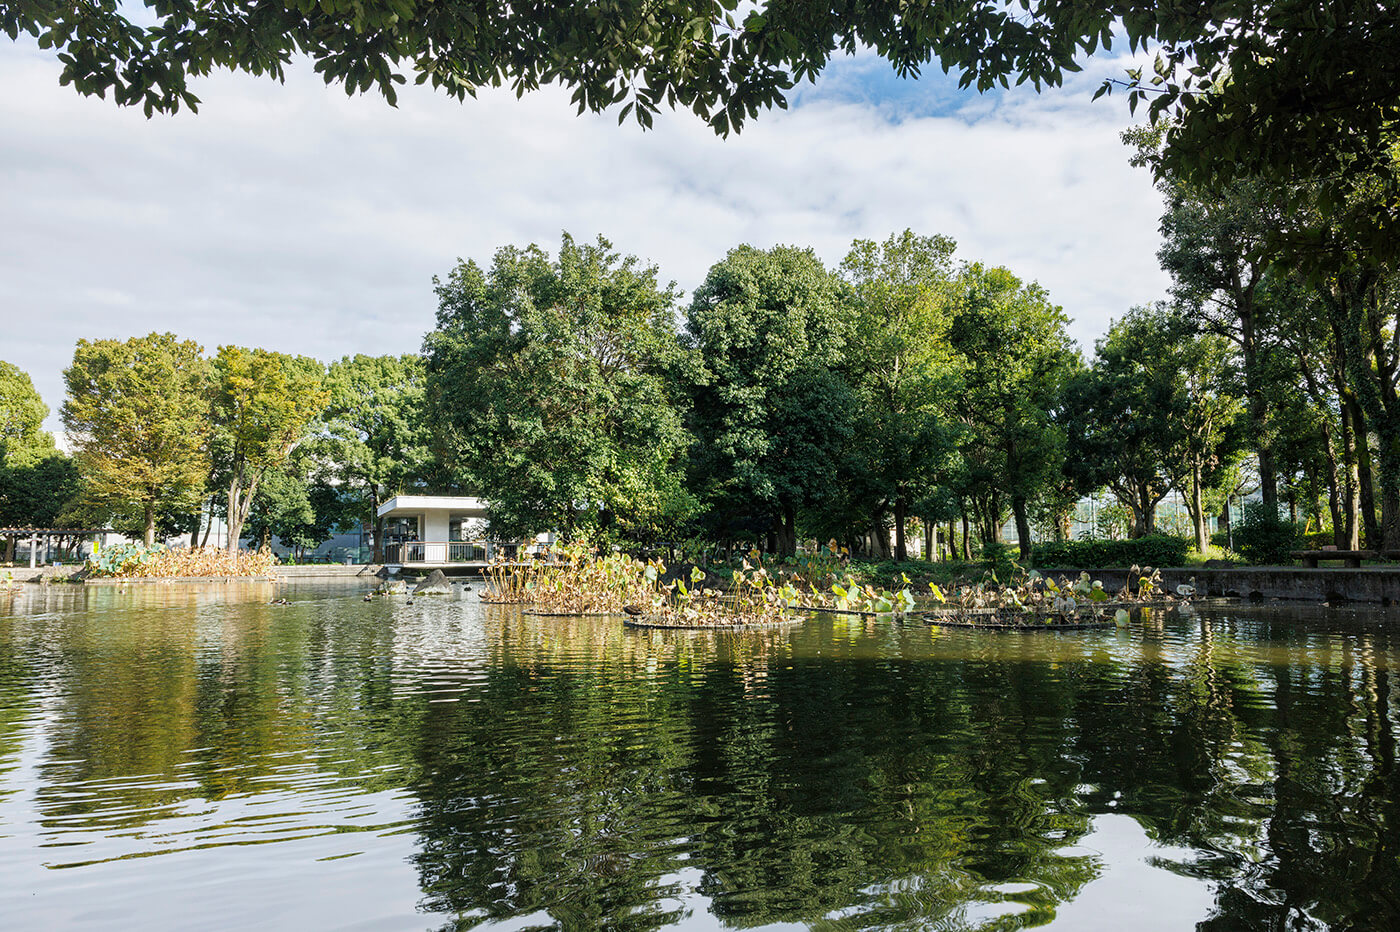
33 550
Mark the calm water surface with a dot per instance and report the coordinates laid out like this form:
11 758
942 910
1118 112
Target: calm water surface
195 758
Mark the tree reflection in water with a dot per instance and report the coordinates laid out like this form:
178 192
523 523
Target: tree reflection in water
848 774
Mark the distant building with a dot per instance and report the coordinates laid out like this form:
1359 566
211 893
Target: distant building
443 531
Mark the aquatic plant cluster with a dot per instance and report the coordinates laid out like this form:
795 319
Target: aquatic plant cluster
575 579
568 579
138 561
755 597
1030 598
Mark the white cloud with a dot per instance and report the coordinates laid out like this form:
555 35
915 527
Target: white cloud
293 217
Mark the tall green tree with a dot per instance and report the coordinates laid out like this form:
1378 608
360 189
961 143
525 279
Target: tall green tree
902 368
1325 433
1363 303
263 404
137 418
1216 246
22 413
377 439
1334 237
772 411
549 379
36 488
1017 360
1212 430
297 508
1358 291
1160 408
36 479
1129 424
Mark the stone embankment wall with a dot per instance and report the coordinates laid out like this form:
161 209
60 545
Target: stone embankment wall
329 571
1369 584
40 574
52 574
1380 584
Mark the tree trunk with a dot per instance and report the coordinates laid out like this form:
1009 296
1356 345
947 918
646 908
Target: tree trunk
930 539
1023 527
788 545
1344 489
1144 512
235 526
1388 536
1365 484
1258 405
901 550
1133 495
1268 480
240 503
880 536
150 534
966 543
1198 509
1361 320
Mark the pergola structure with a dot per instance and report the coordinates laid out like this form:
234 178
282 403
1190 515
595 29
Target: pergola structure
47 534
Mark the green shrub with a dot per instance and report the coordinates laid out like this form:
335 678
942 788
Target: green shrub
999 558
1212 552
1312 540
1263 538
1152 550
888 572
1316 540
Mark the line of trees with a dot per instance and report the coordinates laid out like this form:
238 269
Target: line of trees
901 392
902 388
786 399
165 442
1296 279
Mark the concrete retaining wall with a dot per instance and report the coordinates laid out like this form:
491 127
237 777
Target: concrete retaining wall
329 571
39 573
173 580
1368 584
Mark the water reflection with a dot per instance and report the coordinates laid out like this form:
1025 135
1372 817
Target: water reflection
455 765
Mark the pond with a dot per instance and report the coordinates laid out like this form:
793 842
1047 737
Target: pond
181 757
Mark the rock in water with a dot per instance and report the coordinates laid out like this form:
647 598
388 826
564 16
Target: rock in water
435 584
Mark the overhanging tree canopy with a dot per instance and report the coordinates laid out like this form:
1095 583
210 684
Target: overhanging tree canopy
1253 85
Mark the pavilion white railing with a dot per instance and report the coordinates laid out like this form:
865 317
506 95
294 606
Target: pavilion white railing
431 551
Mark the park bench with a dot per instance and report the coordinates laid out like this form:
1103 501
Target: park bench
1353 558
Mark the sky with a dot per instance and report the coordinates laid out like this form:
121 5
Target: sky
295 218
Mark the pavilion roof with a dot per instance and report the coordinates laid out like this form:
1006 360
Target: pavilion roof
56 531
